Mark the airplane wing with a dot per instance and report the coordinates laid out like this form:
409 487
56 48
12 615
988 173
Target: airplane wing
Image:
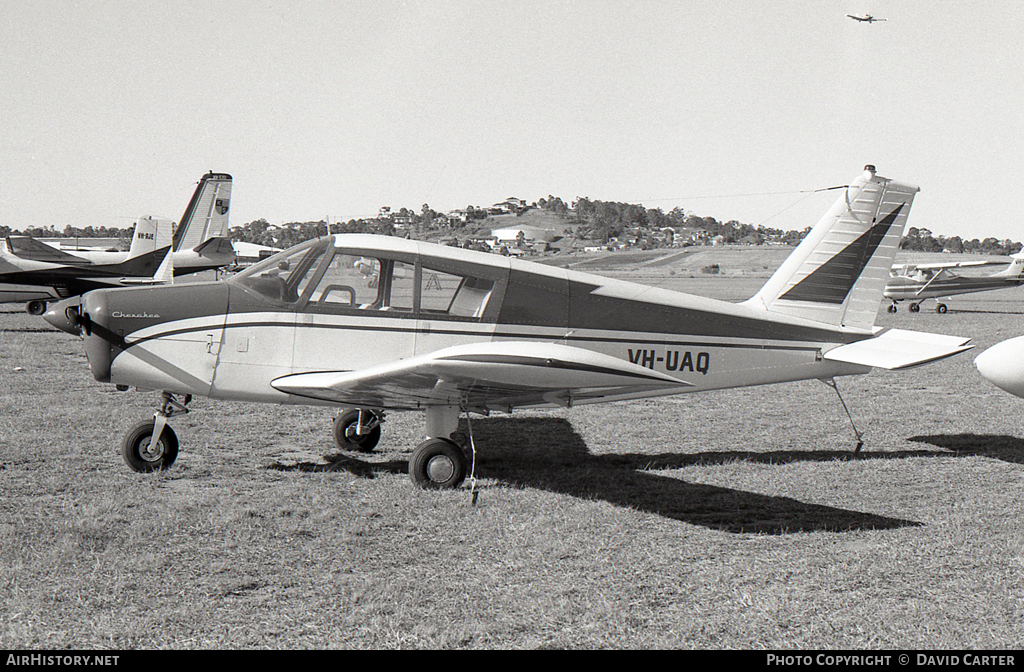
494 375
899 349
29 248
952 264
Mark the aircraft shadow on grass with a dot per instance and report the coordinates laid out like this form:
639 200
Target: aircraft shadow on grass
547 454
997 446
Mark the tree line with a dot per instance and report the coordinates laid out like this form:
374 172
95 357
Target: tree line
591 219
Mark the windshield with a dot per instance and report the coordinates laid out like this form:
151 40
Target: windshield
284 276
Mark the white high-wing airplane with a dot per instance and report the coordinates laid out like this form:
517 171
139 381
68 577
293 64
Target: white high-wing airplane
34 272
864 18
917 282
376 323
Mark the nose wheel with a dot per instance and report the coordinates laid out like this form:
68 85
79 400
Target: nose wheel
152 445
144 455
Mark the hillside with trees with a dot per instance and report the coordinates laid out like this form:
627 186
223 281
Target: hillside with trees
585 221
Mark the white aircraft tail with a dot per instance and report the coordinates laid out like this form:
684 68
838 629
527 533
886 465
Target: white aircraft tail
837 274
1015 268
207 213
150 235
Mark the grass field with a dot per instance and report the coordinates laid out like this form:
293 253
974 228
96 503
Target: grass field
731 519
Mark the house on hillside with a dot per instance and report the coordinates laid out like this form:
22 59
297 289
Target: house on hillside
510 205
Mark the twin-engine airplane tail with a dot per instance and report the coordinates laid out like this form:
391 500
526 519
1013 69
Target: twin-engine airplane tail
838 272
200 242
150 235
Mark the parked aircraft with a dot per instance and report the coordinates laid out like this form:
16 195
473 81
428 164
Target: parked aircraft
35 272
1003 365
376 323
917 282
864 18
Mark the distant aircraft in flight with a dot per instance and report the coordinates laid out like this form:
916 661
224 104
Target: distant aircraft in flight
377 323
864 18
917 282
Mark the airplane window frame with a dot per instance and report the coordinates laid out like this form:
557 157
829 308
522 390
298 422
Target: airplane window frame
324 252
309 256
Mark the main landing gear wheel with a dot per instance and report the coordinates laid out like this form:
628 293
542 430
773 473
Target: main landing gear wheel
143 455
437 464
346 431
915 307
941 309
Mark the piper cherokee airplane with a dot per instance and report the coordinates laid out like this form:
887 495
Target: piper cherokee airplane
917 282
35 272
376 323
864 18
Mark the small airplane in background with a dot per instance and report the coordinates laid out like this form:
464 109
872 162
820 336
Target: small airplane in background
917 282
864 18
1003 365
35 273
375 323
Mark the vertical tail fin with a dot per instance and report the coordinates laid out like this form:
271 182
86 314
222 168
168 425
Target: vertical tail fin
150 235
837 274
1015 268
207 213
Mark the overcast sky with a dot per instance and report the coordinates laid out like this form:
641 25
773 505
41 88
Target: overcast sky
110 110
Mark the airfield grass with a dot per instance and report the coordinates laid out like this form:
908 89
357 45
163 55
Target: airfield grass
733 519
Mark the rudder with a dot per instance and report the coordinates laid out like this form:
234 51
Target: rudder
150 235
207 213
837 274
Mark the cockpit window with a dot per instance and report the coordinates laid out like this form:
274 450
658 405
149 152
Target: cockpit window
284 276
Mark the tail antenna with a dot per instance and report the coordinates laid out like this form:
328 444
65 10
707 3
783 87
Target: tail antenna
831 382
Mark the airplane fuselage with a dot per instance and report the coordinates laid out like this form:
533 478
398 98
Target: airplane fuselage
901 288
233 339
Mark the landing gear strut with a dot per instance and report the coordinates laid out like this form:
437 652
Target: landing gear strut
152 444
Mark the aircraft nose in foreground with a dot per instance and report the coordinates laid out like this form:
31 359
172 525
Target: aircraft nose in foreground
1003 365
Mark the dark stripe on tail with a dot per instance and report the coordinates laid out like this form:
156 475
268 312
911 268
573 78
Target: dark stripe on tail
832 281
